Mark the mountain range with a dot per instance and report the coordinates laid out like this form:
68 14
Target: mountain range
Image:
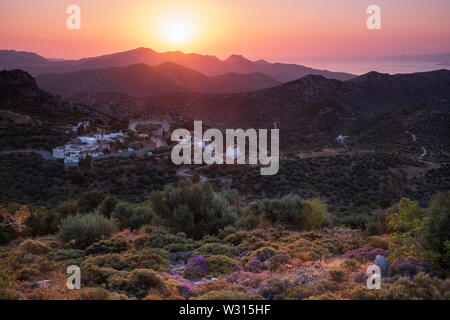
143 80
305 109
206 64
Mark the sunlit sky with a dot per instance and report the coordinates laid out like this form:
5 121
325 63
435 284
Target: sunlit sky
276 30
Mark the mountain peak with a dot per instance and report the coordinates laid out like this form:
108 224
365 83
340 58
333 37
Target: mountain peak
236 58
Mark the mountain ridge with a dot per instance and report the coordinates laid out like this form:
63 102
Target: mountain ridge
141 80
206 64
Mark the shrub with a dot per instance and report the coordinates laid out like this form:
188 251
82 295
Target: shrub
379 242
69 208
10 294
142 281
8 273
365 254
377 223
228 295
312 214
99 294
221 264
215 249
34 247
194 209
248 221
291 211
351 264
437 233
90 200
407 267
41 221
408 224
85 229
196 268
67 254
114 245
337 275
130 216
108 205
275 262
422 287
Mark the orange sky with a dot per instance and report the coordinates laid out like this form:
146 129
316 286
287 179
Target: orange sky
282 30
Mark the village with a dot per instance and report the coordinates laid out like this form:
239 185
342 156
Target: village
96 143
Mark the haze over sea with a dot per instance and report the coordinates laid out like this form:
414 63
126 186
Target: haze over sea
360 67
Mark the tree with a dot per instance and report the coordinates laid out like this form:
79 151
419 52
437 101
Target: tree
108 205
437 233
85 229
408 224
194 209
90 200
130 216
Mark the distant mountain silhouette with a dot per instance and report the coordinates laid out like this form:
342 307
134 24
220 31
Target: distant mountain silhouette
206 64
10 60
142 80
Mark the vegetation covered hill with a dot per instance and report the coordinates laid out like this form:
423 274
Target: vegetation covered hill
189 242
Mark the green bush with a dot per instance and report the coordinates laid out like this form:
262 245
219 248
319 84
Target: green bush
85 229
130 216
377 223
69 208
194 209
215 249
108 205
142 281
291 211
351 264
114 245
437 233
408 224
221 264
90 200
423 287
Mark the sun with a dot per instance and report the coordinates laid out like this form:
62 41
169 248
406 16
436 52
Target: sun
177 31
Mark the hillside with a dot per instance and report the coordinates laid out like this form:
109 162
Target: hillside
310 109
143 80
33 118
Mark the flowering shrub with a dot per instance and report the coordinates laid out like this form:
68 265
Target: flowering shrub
407 267
276 261
196 268
366 254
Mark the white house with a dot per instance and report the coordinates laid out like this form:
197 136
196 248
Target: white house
58 153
